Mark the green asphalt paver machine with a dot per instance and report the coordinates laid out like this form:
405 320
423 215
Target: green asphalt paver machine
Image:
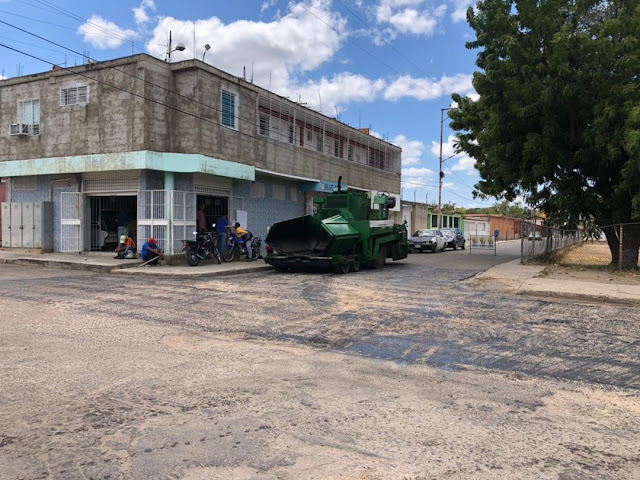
344 234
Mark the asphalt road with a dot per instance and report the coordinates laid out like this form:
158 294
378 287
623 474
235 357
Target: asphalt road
409 371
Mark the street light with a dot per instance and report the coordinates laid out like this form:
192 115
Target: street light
207 47
440 172
179 47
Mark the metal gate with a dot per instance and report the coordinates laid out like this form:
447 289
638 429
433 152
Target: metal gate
71 220
167 215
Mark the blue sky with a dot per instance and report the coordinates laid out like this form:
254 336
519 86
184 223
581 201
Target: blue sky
386 64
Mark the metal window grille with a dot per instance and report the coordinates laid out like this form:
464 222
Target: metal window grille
228 109
71 221
215 191
70 96
257 190
24 183
183 218
264 125
96 185
278 192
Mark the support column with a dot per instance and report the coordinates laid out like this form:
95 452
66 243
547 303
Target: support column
169 187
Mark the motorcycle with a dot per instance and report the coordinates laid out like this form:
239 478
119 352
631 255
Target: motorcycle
202 248
237 248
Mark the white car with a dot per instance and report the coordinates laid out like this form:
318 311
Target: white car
535 236
432 240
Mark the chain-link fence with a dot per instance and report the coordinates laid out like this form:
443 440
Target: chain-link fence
613 245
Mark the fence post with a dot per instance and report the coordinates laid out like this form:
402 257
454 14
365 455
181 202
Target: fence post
620 249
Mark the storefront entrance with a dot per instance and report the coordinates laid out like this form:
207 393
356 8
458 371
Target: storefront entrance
214 207
111 216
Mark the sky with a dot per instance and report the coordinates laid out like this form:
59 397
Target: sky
389 65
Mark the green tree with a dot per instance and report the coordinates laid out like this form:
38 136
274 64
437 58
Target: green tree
558 118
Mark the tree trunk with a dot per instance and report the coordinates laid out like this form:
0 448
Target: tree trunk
613 240
630 245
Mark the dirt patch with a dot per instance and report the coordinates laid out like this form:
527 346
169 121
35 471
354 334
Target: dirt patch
588 254
596 275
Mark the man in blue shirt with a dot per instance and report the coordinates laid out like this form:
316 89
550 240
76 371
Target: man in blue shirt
151 252
221 231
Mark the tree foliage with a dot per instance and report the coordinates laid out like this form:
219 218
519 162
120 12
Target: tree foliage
558 118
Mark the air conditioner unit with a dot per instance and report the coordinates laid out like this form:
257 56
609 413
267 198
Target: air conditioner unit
19 129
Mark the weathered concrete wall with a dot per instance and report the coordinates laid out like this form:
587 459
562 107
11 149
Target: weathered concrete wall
116 121
112 121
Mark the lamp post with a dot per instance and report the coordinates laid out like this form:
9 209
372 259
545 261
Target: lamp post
179 47
207 47
440 172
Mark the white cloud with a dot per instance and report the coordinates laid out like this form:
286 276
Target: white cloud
412 150
140 14
417 172
277 51
342 88
408 17
268 4
428 88
463 163
104 34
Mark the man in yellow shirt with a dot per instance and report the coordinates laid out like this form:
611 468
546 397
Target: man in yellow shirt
246 236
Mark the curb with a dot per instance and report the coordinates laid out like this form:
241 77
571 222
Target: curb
581 297
223 273
65 265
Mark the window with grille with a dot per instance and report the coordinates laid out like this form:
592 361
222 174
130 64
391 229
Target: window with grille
309 135
29 114
456 222
264 125
320 145
336 148
229 109
290 133
71 96
278 192
350 153
257 190
434 221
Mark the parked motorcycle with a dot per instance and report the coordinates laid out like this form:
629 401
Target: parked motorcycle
236 248
202 248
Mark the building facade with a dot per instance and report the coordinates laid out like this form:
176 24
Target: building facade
138 144
486 224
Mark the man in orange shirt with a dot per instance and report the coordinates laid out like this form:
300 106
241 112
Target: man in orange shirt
126 248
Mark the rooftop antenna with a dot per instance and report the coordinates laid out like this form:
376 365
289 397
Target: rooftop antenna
269 80
194 39
320 99
244 73
337 113
252 72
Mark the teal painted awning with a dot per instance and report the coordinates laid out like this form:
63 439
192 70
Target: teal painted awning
142 160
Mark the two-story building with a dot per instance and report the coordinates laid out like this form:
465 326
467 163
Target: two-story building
138 144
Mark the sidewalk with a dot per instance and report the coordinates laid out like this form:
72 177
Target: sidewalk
528 280
104 262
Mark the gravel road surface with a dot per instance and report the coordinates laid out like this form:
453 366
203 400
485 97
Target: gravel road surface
411 371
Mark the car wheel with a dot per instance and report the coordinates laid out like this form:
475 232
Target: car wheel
434 249
462 247
455 245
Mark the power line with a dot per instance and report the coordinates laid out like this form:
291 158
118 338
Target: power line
361 48
382 38
302 153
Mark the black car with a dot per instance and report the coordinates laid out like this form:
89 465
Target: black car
455 237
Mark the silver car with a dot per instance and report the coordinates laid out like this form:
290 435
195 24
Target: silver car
432 240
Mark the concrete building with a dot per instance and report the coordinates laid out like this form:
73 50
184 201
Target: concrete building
137 143
416 215
449 220
486 224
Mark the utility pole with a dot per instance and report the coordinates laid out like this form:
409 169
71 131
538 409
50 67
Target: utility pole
440 172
